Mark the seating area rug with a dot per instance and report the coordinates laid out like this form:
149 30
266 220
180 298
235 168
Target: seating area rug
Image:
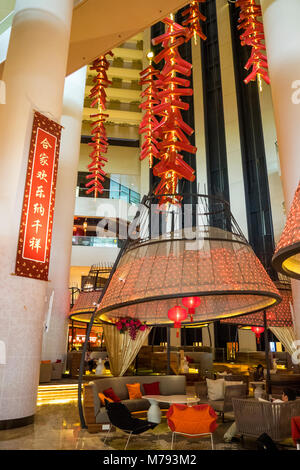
160 438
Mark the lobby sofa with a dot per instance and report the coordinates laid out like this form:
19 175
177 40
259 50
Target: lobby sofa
95 414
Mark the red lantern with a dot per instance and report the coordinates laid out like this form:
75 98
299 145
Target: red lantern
177 314
257 330
191 303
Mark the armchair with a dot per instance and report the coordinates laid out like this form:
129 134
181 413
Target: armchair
254 417
225 405
192 421
120 417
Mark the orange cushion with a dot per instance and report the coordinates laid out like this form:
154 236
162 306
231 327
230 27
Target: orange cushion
103 397
134 391
45 362
197 419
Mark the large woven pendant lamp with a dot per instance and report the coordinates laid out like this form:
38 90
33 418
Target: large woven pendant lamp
278 316
164 265
286 258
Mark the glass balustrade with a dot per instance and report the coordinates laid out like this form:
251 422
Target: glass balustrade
99 242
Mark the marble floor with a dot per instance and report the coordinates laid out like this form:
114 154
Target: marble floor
57 427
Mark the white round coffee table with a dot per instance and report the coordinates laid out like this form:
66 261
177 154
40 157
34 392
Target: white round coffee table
154 412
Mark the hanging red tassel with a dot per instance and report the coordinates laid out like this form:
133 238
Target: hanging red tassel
171 129
194 16
254 37
99 138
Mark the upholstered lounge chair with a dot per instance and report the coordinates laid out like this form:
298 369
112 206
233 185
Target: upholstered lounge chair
120 417
225 405
192 421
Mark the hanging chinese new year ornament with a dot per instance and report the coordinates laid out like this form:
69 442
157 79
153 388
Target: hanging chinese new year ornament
149 121
258 330
192 21
191 303
99 142
171 130
177 314
254 37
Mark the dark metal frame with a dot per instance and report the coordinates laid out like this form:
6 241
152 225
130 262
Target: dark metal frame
89 328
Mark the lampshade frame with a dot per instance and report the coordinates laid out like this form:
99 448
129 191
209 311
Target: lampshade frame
218 227
286 258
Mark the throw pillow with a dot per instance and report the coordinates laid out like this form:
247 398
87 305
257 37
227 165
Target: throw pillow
152 388
111 394
134 391
215 389
189 359
233 382
103 397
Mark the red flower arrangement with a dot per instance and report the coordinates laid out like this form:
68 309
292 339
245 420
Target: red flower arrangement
131 325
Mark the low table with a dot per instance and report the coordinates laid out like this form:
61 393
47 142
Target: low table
154 412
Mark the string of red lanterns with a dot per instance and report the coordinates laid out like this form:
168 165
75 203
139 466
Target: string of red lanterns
171 129
253 36
99 142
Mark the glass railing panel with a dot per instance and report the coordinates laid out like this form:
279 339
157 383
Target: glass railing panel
99 242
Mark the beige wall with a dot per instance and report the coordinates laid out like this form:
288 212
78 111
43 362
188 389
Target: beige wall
75 275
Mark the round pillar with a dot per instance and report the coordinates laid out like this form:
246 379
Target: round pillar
55 337
34 75
282 34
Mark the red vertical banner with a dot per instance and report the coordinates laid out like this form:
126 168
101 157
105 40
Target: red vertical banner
35 235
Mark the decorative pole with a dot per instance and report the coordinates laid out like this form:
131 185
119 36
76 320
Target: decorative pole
267 352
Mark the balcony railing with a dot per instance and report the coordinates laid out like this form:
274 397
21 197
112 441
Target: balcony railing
117 192
96 242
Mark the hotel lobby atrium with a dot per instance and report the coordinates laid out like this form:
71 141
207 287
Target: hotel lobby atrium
150 237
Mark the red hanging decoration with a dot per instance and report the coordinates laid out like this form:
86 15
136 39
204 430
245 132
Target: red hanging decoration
149 121
253 36
177 314
257 330
99 138
171 129
191 303
194 16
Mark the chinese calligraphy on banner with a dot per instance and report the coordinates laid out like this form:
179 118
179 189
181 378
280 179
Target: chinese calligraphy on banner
38 206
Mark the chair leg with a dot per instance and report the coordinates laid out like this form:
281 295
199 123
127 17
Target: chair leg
128 440
172 442
212 442
107 434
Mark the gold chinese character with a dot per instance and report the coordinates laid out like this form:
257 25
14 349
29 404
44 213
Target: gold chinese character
42 175
40 192
46 144
44 159
35 244
39 209
36 224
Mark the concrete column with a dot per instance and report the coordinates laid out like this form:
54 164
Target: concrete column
282 35
34 75
55 336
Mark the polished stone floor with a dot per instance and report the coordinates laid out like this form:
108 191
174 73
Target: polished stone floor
57 427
